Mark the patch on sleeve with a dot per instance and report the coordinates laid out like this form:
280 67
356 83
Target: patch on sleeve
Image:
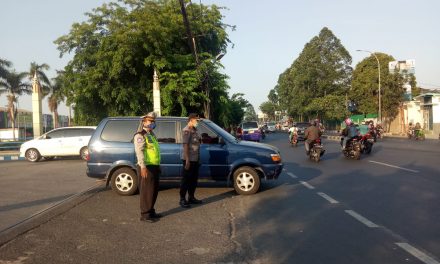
140 140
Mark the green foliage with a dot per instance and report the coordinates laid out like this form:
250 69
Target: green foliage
329 107
365 90
118 48
322 69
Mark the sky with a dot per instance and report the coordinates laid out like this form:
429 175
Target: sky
269 36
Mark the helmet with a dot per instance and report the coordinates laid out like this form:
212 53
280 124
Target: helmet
348 121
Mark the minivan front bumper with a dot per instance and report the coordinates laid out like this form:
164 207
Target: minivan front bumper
272 171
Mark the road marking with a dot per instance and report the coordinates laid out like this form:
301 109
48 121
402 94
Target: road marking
328 198
417 253
361 219
292 175
393 166
307 185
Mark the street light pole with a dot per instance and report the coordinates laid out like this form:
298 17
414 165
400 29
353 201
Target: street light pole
378 69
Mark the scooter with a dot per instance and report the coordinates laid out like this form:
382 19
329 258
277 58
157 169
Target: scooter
367 142
352 148
294 140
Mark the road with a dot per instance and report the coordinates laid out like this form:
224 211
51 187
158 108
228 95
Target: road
383 208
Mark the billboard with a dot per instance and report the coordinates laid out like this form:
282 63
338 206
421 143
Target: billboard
408 65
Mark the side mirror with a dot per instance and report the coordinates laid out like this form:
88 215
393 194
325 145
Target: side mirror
221 141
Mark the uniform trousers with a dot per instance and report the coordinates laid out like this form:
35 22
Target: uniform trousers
189 181
149 188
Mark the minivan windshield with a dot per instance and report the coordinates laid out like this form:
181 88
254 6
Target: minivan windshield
249 125
225 135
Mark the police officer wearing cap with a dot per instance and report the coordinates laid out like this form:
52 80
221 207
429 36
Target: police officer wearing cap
191 162
148 161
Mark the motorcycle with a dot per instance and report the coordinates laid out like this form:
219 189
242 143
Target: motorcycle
316 150
367 142
294 140
417 134
352 148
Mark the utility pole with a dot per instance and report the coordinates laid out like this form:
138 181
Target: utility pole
193 47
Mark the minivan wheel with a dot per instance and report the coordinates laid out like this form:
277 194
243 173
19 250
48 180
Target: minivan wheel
246 181
32 155
83 153
124 181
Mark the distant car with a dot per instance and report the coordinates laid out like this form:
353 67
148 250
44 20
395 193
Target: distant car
249 131
302 126
65 141
271 127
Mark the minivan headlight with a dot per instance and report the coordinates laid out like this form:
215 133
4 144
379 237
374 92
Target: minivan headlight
276 158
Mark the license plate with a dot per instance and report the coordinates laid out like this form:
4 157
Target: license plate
251 131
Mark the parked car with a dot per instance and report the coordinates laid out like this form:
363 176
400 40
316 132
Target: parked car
223 158
65 141
249 131
302 126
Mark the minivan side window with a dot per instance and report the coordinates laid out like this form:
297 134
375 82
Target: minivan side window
120 130
71 132
207 135
55 134
165 131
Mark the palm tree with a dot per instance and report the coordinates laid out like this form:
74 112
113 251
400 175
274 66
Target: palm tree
4 65
56 97
14 85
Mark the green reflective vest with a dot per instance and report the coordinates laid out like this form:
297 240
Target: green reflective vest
152 150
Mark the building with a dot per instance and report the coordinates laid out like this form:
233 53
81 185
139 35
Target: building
423 109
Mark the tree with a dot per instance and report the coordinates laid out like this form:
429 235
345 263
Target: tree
250 114
121 44
56 97
322 69
365 91
38 70
14 85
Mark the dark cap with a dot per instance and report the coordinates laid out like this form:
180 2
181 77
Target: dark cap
193 116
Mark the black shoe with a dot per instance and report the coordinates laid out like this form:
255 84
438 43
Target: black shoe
149 219
155 215
184 204
194 201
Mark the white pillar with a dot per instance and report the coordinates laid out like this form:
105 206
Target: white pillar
156 94
36 107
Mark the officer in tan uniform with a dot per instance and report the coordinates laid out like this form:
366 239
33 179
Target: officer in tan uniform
148 163
191 162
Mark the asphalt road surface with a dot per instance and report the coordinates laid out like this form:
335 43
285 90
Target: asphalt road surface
383 208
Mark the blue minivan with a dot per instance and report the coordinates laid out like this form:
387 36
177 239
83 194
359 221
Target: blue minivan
223 158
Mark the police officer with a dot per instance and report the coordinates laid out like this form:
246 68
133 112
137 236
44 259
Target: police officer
148 161
191 159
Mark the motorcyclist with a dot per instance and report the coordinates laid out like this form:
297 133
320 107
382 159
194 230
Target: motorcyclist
293 131
311 134
349 132
417 129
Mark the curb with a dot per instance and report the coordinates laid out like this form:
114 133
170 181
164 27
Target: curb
11 157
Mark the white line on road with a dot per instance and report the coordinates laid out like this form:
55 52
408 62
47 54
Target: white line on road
393 166
417 253
361 219
307 185
328 198
292 175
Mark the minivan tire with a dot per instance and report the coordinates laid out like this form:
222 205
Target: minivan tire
32 155
124 181
246 180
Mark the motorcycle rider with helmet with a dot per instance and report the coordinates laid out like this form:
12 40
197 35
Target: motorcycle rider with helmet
293 131
348 133
311 134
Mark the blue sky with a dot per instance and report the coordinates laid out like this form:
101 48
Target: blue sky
269 35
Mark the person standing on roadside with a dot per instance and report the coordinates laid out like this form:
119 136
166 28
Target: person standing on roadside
148 163
191 162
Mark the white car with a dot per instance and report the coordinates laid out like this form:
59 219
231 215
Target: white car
271 127
65 141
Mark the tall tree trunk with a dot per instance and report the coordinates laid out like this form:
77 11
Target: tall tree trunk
11 108
55 117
